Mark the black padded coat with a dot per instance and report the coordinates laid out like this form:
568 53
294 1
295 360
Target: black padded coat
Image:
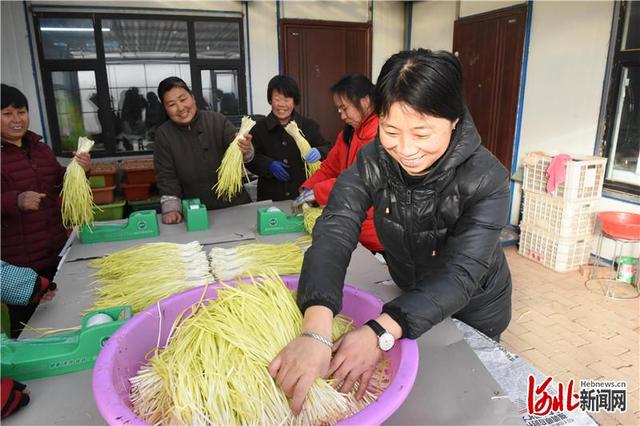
441 236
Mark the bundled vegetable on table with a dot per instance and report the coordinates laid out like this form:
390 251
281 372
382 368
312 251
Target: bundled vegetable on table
250 259
140 276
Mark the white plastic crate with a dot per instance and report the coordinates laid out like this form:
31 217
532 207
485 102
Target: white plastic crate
557 217
559 254
584 178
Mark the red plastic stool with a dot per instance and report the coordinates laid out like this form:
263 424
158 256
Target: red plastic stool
619 281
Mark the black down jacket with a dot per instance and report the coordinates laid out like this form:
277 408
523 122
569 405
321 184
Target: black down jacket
441 236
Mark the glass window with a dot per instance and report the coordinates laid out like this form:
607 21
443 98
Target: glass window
67 38
133 86
631 35
220 91
625 141
217 40
75 95
137 52
145 39
621 112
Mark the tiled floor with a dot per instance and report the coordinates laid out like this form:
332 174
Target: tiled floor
568 332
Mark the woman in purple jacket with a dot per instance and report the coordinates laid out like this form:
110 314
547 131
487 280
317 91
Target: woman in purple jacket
32 232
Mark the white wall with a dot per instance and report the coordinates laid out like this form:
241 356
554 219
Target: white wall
263 46
344 10
565 74
475 7
16 64
432 26
388 33
209 5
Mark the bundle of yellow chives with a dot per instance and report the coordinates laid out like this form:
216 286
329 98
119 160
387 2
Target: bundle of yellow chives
310 215
77 198
303 146
251 259
213 369
140 276
232 168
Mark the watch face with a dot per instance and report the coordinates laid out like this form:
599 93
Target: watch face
386 341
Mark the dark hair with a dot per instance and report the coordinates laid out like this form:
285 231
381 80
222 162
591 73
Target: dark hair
285 85
13 97
171 83
427 81
354 87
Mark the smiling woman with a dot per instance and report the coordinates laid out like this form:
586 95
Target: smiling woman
416 141
189 149
32 230
277 161
439 200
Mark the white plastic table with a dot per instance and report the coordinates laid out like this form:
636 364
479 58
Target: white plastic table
452 386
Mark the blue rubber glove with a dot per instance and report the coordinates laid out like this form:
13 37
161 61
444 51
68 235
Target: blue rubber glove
279 170
312 156
306 196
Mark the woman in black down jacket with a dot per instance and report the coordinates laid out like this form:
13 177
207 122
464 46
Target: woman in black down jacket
440 200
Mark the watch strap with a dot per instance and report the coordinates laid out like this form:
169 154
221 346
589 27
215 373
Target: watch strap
376 327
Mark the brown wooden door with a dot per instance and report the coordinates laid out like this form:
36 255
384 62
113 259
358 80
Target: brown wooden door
317 54
490 49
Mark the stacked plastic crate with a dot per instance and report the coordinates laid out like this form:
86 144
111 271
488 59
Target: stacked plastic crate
557 230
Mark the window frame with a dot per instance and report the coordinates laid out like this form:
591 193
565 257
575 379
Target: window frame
618 59
99 67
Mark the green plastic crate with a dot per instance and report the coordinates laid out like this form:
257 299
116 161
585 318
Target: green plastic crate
111 211
97 182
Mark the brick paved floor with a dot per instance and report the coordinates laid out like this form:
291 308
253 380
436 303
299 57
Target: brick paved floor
568 332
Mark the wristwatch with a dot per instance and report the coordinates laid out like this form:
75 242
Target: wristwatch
385 339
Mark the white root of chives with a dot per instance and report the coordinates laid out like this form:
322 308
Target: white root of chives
77 198
232 169
142 275
213 369
250 259
303 146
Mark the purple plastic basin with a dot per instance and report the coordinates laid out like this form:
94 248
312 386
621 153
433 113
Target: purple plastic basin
126 351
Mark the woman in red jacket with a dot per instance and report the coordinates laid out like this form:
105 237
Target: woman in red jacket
353 96
32 232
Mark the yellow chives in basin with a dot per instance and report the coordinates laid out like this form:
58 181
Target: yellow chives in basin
251 259
232 168
77 198
213 369
303 146
140 276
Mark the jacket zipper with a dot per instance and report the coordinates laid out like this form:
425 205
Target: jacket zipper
410 233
